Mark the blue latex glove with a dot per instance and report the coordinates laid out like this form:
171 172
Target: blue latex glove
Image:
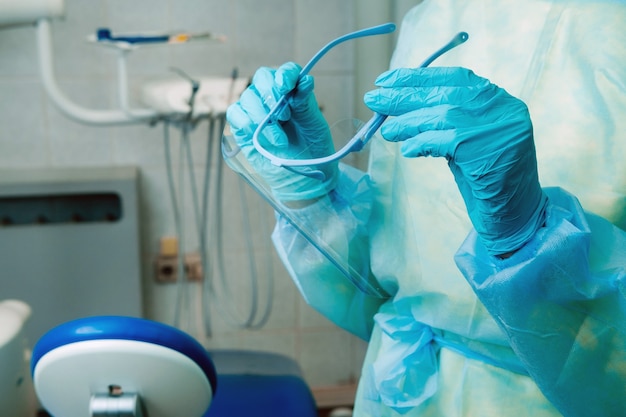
301 133
485 134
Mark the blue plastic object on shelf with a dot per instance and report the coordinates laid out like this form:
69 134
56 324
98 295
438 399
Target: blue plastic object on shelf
104 34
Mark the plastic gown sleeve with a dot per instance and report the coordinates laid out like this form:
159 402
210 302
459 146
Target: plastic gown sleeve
340 221
561 300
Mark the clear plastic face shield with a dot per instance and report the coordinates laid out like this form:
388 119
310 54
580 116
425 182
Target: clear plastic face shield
348 136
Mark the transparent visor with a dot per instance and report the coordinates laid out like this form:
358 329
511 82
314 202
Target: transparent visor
237 161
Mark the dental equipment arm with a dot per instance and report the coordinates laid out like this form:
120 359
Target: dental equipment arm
124 115
20 12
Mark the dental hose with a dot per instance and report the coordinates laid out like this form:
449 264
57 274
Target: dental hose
207 284
208 222
216 251
253 321
184 293
178 224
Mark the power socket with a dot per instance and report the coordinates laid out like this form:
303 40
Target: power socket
166 268
193 266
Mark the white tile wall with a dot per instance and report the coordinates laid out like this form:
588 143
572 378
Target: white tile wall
18 44
23 123
33 133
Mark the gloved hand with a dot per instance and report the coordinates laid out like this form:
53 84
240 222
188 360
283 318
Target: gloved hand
485 134
302 132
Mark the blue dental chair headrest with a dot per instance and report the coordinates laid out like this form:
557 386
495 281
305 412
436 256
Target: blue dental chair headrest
170 370
145 357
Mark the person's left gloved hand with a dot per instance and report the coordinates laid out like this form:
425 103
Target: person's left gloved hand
485 134
301 132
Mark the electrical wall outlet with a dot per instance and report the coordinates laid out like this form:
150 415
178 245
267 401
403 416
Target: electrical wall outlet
193 266
166 268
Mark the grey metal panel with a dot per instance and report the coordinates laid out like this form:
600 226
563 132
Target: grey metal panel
70 270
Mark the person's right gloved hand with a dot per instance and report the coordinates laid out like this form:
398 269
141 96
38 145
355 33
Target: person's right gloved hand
302 132
486 136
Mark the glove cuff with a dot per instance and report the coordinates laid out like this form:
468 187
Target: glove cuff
533 222
292 189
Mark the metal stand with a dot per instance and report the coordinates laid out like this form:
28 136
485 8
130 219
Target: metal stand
116 404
